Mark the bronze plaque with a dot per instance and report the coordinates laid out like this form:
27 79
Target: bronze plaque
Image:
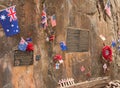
84 40
22 58
77 40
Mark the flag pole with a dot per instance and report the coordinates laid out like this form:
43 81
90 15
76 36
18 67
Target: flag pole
8 7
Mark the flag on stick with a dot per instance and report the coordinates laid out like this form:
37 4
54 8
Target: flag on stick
22 45
107 8
44 18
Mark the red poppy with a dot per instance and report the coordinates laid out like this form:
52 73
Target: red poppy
57 57
107 53
30 47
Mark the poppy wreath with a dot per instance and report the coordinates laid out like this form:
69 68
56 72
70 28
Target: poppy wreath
107 53
57 57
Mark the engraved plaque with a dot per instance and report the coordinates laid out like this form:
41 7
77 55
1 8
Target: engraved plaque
77 40
22 58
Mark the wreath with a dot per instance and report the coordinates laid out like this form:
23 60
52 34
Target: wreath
58 57
107 53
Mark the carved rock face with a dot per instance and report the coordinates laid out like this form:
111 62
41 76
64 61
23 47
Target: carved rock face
81 14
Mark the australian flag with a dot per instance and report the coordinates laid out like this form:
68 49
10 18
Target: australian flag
63 46
9 22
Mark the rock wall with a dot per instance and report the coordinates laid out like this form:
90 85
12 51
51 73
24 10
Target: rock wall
80 14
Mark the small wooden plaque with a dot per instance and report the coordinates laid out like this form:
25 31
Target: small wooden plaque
22 58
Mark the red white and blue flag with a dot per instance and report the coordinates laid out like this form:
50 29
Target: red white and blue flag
53 20
12 13
107 8
9 22
22 45
44 18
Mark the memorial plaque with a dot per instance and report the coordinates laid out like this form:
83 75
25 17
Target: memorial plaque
77 40
22 58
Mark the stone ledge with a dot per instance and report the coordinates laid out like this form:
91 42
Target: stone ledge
93 83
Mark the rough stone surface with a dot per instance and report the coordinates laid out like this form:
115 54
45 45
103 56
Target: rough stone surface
82 14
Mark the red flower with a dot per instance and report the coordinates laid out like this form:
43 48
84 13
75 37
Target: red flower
30 47
57 57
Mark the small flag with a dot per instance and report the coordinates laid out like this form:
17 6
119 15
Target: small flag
107 8
28 39
113 44
53 20
9 22
44 18
102 37
57 66
63 46
22 45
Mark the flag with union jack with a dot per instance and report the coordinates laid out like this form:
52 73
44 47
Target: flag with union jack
9 22
44 18
107 8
